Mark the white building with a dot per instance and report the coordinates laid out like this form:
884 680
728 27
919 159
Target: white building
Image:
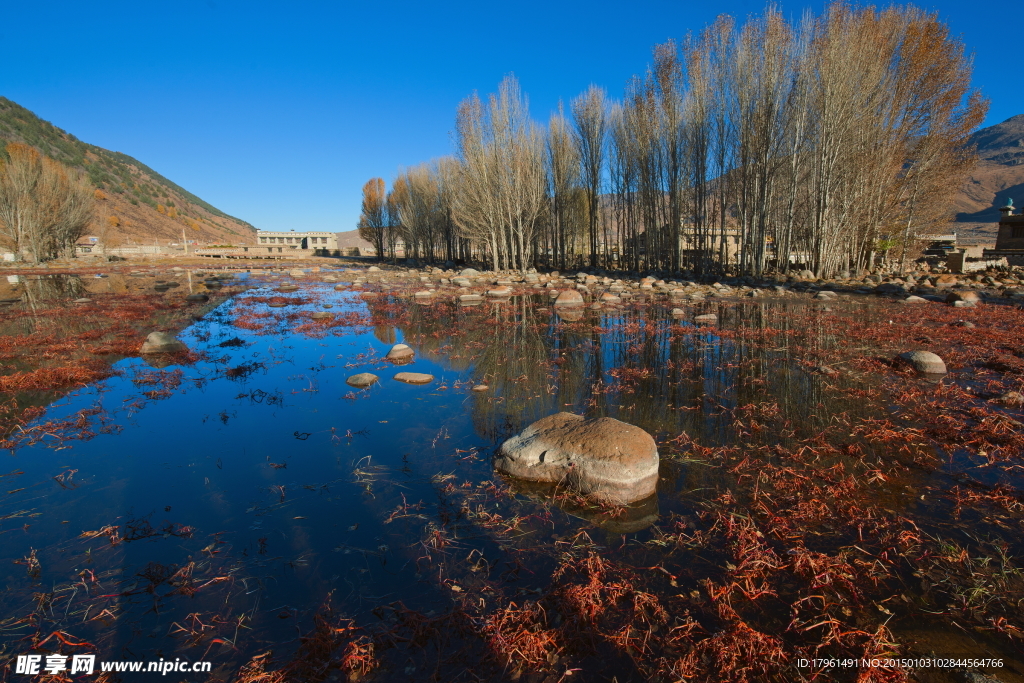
282 242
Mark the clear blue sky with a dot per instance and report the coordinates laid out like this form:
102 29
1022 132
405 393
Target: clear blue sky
278 112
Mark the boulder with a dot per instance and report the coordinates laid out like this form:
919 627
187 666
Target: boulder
414 377
968 297
400 352
373 269
362 380
162 342
925 362
504 290
604 458
423 294
469 272
915 300
570 314
470 297
706 318
827 295
569 297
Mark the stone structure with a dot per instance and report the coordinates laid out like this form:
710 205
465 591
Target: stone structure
1010 239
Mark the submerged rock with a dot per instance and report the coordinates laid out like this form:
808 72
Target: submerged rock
363 379
414 377
610 460
162 342
924 362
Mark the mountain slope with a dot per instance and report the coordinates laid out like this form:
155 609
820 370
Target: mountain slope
136 204
998 177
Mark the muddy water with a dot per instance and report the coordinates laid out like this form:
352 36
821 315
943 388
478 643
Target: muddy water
206 511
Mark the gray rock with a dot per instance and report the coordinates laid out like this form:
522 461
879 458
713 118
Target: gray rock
197 298
469 272
604 458
162 342
914 300
470 297
924 362
363 379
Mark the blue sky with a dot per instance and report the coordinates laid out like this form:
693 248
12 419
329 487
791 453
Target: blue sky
278 112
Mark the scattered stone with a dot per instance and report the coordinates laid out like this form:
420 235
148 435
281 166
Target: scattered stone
199 298
323 315
706 318
414 377
915 300
373 269
678 312
826 295
424 294
569 298
500 291
612 461
339 288
77 301
162 342
297 273
481 387
1014 399
469 272
400 352
925 362
470 297
363 379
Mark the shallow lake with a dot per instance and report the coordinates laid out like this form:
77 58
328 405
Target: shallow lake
209 510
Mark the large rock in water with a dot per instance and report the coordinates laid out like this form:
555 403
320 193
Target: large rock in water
604 458
162 342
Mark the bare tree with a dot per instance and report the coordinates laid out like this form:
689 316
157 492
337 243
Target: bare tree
374 221
44 207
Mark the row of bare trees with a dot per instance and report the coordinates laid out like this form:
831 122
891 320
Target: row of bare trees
44 206
767 145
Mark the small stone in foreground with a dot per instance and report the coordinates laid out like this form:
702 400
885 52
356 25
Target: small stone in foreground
925 362
83 301
363 379
481 387
414 377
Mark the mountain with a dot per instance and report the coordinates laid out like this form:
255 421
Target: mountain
136 205
998 177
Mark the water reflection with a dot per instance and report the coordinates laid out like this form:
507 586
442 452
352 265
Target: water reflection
246 488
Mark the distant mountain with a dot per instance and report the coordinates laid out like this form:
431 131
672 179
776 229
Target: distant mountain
136 204
998 177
